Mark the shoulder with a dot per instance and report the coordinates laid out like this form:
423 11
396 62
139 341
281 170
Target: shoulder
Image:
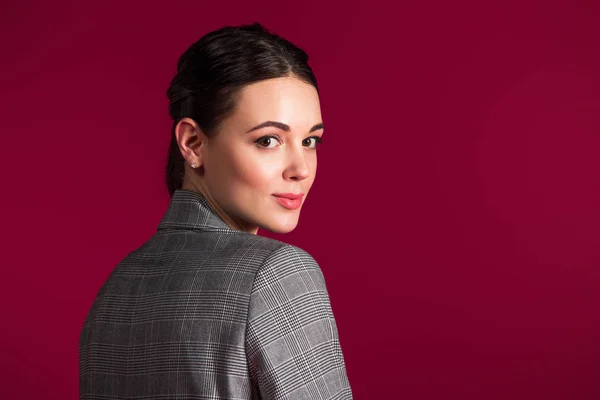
263 242
290 265
288 254
279 253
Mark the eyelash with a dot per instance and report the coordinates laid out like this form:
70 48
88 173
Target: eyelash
318 140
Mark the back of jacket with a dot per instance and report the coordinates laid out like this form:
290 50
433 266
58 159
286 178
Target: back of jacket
203 311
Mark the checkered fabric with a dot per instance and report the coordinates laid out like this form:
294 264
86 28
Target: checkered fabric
204 311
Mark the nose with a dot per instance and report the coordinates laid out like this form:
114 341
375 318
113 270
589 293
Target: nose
297 166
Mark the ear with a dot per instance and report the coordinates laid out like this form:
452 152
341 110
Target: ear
189 137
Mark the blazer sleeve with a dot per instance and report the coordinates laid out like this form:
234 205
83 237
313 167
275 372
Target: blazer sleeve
292 342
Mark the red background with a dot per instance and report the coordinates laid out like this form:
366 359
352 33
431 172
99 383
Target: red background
455 213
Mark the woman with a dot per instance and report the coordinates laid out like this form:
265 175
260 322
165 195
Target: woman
206 308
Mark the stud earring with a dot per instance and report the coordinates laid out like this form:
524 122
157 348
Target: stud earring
193 165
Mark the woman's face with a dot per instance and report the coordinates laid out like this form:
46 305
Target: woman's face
245 168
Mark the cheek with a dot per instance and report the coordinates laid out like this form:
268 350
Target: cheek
250 168
312 162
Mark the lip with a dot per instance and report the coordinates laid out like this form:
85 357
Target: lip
289 195
289 200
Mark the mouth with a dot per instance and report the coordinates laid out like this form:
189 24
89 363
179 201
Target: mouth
291 202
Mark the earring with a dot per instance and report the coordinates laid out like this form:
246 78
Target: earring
193 165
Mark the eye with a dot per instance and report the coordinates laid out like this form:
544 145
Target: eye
315 143
267 141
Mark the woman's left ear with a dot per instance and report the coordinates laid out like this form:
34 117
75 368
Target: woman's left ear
189 138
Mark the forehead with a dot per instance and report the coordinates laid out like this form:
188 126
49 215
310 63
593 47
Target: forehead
288 100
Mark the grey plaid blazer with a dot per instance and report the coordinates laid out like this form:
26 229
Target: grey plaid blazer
203 311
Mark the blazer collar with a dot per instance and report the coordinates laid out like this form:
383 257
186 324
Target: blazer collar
190 210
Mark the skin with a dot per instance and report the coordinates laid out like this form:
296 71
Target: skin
238 175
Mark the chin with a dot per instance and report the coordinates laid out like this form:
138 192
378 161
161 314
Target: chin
285 226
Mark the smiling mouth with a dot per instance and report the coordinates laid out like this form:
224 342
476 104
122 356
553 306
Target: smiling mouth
289 195
289 203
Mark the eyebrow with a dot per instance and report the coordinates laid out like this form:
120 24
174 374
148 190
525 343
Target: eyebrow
283 126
